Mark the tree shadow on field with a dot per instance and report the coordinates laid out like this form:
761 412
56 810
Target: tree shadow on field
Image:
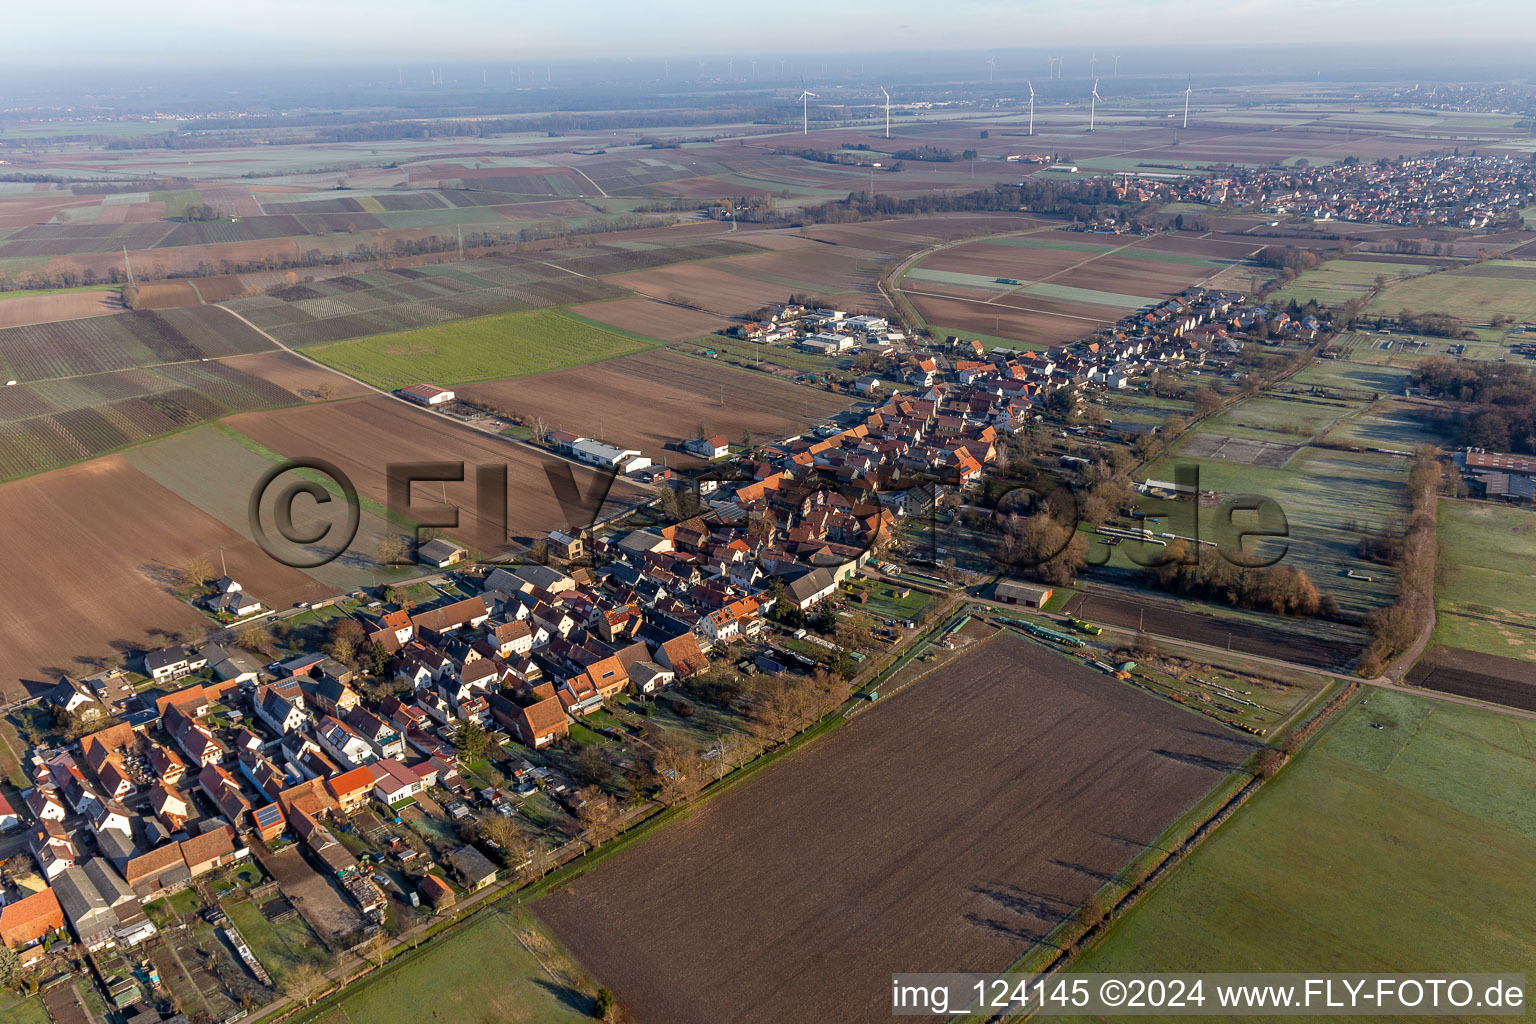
1083 869
1040 906
1004 928
161 574
1224 737
574 999
1136 844
1196 760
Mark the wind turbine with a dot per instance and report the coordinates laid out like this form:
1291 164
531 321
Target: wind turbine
887 112
1189 87
805 111
1093 67
1117 66
1093 104
991 64
1031 108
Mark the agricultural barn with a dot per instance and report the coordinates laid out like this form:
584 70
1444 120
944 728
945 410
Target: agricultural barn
440 553
426 394
596 453
1026 594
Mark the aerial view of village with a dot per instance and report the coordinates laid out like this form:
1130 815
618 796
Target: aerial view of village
613 524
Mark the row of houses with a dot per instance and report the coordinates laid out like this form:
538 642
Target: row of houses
1451 189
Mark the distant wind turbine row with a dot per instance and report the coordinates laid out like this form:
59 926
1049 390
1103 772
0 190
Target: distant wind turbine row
1094 99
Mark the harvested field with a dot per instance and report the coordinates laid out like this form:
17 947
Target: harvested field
652 318
973 812
200 464
363 436
297 375
1488 677
1037 324
659 398
168 295
221 289
114 542
1165 618
43 309
1045 287
709 286
904 235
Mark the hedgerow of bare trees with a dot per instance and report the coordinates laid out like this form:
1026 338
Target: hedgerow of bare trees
1396 626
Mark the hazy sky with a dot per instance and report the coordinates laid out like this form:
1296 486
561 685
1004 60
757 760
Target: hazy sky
40 33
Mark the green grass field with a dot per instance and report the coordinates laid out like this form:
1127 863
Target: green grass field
25 292
177 201
482 348
1330 500
1335 282
1473 293
1280 419
481 974
1410 847
1485 592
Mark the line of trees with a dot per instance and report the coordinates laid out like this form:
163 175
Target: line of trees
1501 400
1396 626
1083 200
1279 589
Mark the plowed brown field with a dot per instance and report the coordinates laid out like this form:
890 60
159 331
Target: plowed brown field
657 398
946 831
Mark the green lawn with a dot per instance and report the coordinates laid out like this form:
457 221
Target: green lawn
1485 593
1410 847
15 1009
884 601
279 947
481 974
481 348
